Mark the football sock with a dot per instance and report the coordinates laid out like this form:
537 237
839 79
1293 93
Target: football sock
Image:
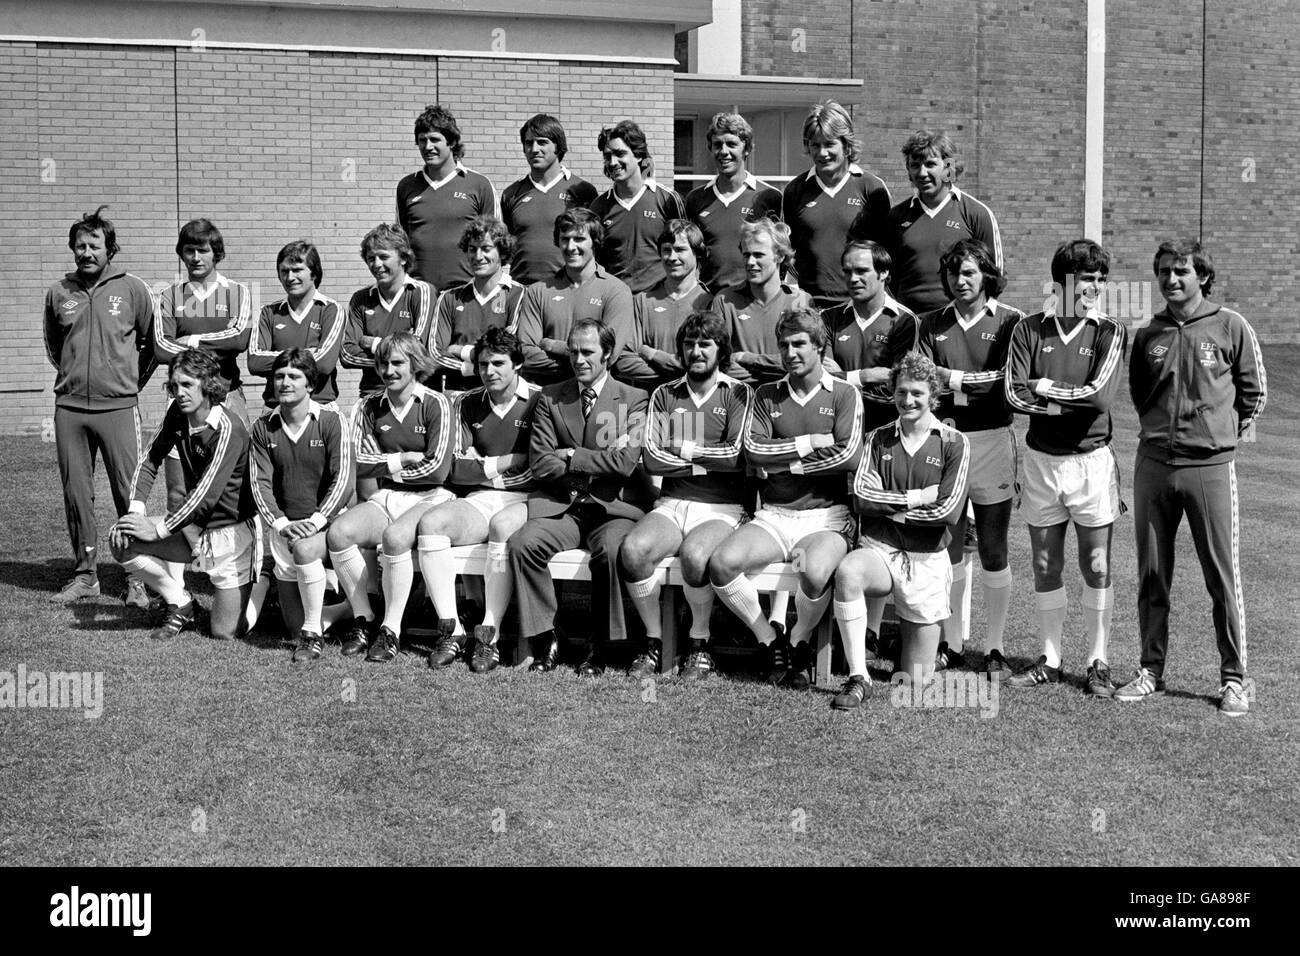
311 590
741 597
498 584
1097 605
1051 622
997 603
852 619
957 628
808 613
399 573
700 601
645 598
155 574
354 579
439 570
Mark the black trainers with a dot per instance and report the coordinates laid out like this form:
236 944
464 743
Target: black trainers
79 588
310 646
357 638
175 620
647 662
855 690
1036 673
996 666
699 664
947 659
1098 682
800 665
486 656
385 647
776 660
448 649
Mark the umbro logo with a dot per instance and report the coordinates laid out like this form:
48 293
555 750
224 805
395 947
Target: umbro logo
775 414
811 204
705 214
384 428
660 308
1159 350
370 311
886 457
1049 348
476 425
744 316
941 338
525 199
460 308
557 298
843 338
69 305
679 411
279 326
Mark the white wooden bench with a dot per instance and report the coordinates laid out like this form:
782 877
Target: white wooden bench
575 566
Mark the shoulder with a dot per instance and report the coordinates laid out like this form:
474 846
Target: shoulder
474 177
515 190
360 298
974 207
951 436
628 393
410 182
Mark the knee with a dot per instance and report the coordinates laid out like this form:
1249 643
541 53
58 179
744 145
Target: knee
336 538
993 554
499 528
635 556
849 581
304 552
396 541
1096 570
724 566
1047 566
695 565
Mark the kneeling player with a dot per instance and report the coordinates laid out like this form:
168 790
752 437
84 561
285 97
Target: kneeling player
693 439
216 525
490 468
911 488
300 469
805 433
402 437
1063 371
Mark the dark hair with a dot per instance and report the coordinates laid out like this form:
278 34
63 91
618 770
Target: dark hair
915 367
388 236
302 251
806 319
201 232
994 280
95 222
1078 255
630 133
706 325
675 229
1188 249
925 141
410 346
486 228
303 361
880 257
202 364
498 341
579 218
608 339
545 126
438 119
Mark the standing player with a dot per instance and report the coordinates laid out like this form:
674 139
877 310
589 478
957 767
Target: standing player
910 488
216 525
659 313
529 206
98 327
490 472
968 342
490 299
580 290
434 204
395 303
734 197
753 311
402 436
821 205
634 211
303 319
919 230
693 439
805 434
1063 372
587 492
1197 379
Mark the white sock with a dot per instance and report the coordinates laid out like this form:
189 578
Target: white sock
1051 622
780 607
354 579
997 603
808 613
645 598
1097 605
498 584
311 590
741 597
177 570
700 601
957 628
852 619
399 574
440 576
875 613
156 575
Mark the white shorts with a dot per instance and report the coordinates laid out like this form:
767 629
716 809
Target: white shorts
922 580
1079 488
689 515
787 526
286 568
231 556
993 460
397 502
491 501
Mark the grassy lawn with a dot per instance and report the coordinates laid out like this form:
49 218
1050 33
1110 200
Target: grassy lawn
210 753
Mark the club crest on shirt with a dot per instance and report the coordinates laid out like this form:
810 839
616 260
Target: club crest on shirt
115 301
1207 353
823 410
420 430
464 196
1084 350
953 224
931 460
596 301
855 200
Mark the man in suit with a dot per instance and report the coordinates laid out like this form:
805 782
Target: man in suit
588 492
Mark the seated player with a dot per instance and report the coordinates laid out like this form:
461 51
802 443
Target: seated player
734 197
911 490
634 211
1063 371
402 437
659 313
395 303
580 290
968 342
490 471
216 525
303 319
805 434
821 205
466 311
300 470
588 492
693 440
752 311
529 206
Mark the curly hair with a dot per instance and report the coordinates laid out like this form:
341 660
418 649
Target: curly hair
915 367
487 229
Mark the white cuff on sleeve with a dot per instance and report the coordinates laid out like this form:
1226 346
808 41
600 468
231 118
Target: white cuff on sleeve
914 498
688 450
492 466
280 524
394 463
803 445
161 527
1044 384
318 520
135 508
954 382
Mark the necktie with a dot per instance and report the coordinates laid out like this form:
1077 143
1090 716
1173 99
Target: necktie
588 400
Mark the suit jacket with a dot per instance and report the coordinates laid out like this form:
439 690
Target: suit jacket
605 468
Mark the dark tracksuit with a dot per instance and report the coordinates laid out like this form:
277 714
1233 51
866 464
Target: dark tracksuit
101 342
1197 386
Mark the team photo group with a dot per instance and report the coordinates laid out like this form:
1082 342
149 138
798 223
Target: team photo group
819 377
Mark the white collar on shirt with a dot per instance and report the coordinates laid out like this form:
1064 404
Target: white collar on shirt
890 305
990 307
505 282
649 184
387 304
722 379
853 170
457 170
218 281
728 198
306 307
825 382
953 193
313 411
564 174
